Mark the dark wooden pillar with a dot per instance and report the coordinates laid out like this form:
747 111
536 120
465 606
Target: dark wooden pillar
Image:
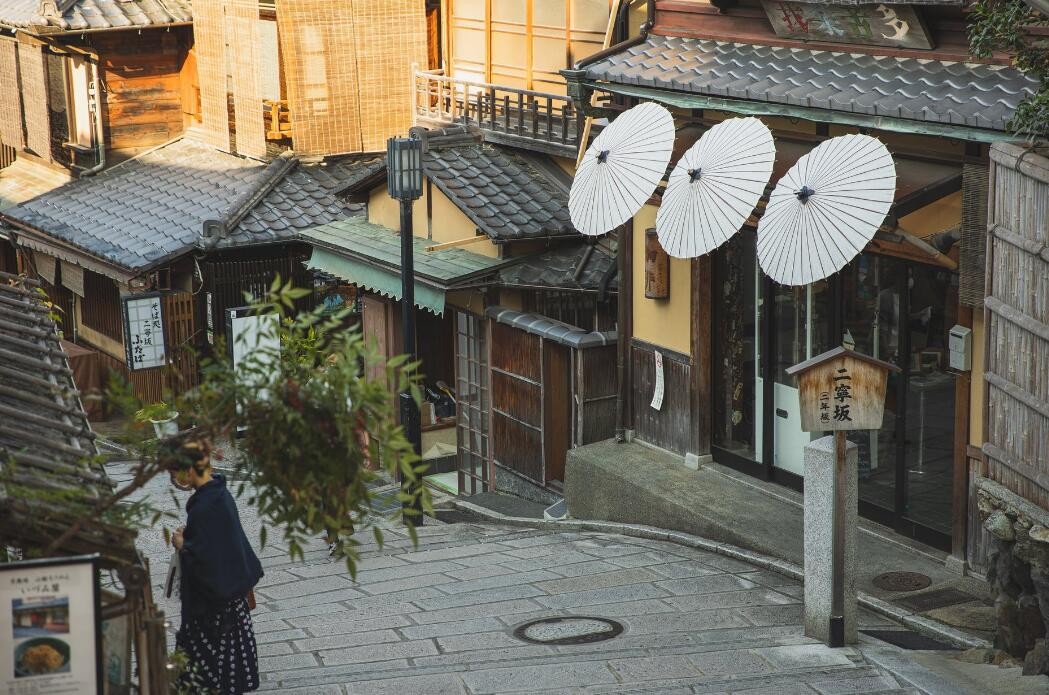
625 329
701 349
960 491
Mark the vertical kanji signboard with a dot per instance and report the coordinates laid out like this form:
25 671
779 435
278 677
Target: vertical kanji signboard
842 390
144 330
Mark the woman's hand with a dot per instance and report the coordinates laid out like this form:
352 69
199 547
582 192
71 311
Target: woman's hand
176 538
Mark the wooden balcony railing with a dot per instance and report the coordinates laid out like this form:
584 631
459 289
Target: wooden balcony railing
510 116
278 119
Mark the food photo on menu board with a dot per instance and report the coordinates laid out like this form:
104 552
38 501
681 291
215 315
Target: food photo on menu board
51 611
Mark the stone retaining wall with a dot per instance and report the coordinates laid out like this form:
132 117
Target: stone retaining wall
1018 573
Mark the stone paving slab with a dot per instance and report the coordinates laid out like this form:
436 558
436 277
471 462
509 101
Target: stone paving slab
439 619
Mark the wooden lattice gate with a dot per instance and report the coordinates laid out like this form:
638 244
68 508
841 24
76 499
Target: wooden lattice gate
227 281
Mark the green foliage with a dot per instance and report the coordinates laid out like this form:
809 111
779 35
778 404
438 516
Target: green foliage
154 411
318 429
1004 25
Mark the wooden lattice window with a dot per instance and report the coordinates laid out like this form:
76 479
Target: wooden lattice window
471 392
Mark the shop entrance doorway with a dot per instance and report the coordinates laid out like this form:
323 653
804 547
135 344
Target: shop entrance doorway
889 308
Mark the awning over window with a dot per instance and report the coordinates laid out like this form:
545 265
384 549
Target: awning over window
369 256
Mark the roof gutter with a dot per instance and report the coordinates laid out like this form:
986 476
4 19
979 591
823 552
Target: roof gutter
80 32
38 238
764 108
574 76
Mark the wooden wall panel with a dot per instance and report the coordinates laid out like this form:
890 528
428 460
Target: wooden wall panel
596 389
557 408
518 399
668 427
142 103
516 352
516 446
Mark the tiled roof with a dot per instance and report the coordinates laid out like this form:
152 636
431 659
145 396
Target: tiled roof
508 195
304 198
978 95
344 172
45 438
556 269
94 14
153 207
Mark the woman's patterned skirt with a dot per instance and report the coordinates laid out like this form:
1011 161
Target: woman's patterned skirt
222 658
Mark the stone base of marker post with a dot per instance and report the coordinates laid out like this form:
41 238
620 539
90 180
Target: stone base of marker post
819 539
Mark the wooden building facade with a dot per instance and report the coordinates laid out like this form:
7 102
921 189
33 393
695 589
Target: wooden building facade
725 334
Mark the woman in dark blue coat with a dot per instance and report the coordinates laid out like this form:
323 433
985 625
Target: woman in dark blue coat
219 569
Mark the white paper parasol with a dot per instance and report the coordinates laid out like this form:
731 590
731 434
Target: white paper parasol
715 186
826 209
621 169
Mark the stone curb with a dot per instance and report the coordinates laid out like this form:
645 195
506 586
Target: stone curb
907 618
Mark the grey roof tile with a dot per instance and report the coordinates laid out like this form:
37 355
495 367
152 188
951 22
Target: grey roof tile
556 268
153 206
972 94
95 14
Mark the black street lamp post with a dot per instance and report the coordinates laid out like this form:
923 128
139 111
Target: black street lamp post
404 181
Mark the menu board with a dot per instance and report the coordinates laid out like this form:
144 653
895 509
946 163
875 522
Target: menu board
144 331
49 615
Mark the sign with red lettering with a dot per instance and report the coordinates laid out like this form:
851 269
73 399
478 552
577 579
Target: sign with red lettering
898 26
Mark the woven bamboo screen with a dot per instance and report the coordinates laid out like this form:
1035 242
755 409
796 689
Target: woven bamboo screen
972 272
385 56
10 107
242 31
34 94
348 70
209 32
1017 360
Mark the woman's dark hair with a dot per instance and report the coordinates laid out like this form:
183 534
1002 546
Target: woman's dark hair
189 449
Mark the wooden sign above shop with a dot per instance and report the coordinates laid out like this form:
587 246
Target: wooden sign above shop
657 268
842 390
897 26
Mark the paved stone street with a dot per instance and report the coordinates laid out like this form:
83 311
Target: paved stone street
439 619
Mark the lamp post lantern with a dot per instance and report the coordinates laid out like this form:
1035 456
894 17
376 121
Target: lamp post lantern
404 181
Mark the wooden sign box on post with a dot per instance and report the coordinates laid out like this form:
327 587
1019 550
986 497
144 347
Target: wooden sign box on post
842 390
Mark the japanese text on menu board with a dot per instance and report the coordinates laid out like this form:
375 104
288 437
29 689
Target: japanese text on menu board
48 618
145 335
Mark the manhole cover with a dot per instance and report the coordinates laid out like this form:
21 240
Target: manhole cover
902 581
568 630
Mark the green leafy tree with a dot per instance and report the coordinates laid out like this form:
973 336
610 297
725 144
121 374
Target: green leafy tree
316 428
1011 26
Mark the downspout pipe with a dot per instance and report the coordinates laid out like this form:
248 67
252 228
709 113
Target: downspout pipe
650 20
96 115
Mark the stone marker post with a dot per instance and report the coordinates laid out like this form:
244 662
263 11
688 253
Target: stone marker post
820 497
838 391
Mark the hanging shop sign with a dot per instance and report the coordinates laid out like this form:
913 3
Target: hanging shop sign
657 268
144 330
842 390
50 619
898 26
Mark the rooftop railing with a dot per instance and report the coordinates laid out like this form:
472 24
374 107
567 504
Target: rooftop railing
507 115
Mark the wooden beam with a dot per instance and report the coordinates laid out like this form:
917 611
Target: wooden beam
458 242
700 387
